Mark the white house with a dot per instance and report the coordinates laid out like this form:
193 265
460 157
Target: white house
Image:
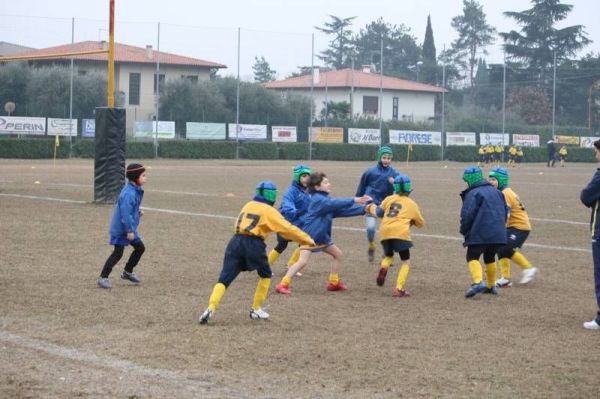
135 72
402 99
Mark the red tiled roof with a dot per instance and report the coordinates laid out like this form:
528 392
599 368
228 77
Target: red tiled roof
123 53
346 77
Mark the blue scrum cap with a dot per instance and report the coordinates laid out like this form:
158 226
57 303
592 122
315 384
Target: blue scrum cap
300 170
402 184
500 174
267 190
472 175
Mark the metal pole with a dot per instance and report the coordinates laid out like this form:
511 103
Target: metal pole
157 92
381 90
237 102
504 96
443 106
111 56
554 95
71 92
312 86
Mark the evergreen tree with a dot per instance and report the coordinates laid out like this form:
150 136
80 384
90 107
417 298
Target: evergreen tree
429 67
340 47
262 70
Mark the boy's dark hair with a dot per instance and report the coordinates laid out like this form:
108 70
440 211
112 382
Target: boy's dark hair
597 144
316 178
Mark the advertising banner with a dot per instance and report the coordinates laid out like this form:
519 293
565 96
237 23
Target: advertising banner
494 139
147 129
205 131
364 136
247 132
587 142
567 139
460 138
88 128
415 137
22 125
327 134
62 127
526 140
286 134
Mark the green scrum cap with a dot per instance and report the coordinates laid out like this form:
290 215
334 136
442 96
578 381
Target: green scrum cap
300 170
500 174
402 184
472 175
384 150
267 190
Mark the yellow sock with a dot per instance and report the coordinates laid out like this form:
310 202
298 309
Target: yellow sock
294 257
505 268
262 288
273 256
371 244
334 278
490 273
521 260
387 261
476 272
286 281
215 297
402 276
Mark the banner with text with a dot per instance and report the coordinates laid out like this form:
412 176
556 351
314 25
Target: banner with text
22 125
327 134
148 129
62 127
88 128
247 132
286 134
494 139
205 131
415 137
587 142
364 136
460 138
567 139
526 140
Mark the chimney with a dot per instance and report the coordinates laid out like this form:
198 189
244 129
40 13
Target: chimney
316 76
103 45
369 68
149 51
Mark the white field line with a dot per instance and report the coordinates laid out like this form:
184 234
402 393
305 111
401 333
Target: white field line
216 216
120 365
153 190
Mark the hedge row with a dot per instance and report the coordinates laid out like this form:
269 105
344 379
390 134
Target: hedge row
33 148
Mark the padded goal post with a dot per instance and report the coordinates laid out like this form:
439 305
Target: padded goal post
109 165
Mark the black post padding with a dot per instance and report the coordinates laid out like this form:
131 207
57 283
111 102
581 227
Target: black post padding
109 165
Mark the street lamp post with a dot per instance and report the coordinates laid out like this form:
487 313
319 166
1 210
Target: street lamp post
595 85
419 63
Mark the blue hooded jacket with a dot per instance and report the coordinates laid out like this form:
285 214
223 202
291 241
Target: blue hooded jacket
483 215
374 182
126 215
590 197
321 211
294 204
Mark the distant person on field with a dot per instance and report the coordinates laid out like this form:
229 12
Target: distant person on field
562 154
399 213
520 155
293 208
590 197
517 231
489 153
498 151
512 155
124 226
376 182
482 223
481 155
551 153
319 218
246 250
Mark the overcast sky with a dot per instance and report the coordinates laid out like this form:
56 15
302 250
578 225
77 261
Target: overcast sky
279 30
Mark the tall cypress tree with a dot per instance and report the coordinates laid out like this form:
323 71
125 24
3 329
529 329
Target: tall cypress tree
429 67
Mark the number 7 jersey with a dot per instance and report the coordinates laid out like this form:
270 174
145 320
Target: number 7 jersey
399 213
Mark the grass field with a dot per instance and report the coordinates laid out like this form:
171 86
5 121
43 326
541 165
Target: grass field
61 336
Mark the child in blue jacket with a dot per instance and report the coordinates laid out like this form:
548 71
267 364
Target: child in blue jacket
483 224
321 211
124 225
378 183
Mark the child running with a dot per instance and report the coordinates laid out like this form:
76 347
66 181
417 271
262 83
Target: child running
124 226
517 231
321 212
293 208
246 250
482 223
399 213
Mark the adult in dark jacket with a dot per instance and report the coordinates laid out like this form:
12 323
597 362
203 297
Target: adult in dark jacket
483 224
551 153
590 197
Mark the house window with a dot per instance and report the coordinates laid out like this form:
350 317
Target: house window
134 88
81 73
370 105
395 108
191 78
161 82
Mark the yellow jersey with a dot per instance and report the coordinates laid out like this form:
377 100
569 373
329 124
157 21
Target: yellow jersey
519 153
518 217
399 213
499 149
481 151
512 151
258 219
563 151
